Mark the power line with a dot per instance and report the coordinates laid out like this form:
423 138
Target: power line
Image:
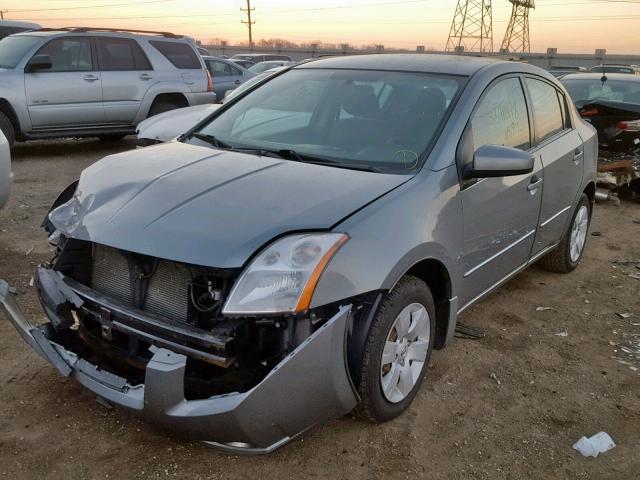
249 23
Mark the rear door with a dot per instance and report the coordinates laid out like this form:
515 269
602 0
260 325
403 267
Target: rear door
225 77
560 149
69 94
500 215
126 74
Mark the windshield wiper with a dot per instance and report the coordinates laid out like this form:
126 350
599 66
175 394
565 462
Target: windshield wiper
290 154
211 140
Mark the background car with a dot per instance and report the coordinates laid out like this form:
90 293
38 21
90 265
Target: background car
9 27
226 75
82 82
264 66
626 69
6 177
611 103
261 57
242 63
561 70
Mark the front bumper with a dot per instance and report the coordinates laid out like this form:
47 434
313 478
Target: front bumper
309 386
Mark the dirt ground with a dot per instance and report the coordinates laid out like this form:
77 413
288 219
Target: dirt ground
506 407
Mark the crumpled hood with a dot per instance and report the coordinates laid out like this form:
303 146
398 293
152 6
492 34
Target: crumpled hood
209 207
168 125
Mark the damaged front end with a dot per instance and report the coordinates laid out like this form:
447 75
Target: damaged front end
149 334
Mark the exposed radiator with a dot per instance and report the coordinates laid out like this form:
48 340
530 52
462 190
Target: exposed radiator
168 288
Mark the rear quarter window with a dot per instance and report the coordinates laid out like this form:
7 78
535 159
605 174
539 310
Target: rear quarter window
180 55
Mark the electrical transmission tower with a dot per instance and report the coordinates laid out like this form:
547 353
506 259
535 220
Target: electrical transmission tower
472 27
516 39
249 23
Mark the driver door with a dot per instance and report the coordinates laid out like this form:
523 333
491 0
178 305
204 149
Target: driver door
69 94
500 215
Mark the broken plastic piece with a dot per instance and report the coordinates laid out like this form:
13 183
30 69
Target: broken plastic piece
592 447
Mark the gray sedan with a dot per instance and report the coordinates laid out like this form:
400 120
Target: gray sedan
303 250
226 75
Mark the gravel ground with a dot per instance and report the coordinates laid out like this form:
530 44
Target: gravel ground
506 407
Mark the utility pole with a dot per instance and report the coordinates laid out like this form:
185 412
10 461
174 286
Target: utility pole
2 12
249 23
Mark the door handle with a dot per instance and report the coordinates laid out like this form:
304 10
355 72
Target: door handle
577 156
90 78
145 76
535 184
237 82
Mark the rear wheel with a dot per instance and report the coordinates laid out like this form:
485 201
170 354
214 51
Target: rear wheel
7 129
568 254
161 107
397 351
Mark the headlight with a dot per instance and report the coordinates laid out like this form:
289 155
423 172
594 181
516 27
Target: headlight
283 277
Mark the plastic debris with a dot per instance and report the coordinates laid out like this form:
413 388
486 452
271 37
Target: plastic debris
29 251
624 316
593 446
494 377
468 332
635 276
543 309
564 333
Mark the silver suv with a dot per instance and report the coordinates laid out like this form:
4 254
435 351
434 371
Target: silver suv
81 82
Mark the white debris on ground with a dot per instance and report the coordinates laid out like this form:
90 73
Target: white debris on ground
627 344
595 445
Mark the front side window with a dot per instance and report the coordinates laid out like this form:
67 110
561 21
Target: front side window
501 117
180 55
372 119
72 54
121 54
13 49
547 111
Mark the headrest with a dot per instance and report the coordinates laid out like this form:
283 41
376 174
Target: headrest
361 101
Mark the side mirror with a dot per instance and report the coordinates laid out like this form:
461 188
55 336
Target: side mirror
39 62
496 161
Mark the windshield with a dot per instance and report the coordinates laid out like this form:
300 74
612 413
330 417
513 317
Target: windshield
585 91
373 119
14 48
248 84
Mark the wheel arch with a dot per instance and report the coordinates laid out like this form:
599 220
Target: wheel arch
8 110
590 191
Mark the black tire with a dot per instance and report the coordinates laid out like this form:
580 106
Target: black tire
161 107
559 260
374 406
7 129
116 137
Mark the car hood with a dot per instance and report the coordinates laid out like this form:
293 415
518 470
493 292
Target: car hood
209 207
168 125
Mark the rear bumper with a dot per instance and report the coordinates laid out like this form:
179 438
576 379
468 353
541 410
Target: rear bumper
309 386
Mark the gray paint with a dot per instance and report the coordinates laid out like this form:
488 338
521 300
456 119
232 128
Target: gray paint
6 175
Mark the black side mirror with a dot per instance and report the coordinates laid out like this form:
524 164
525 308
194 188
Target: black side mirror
39 62
497 161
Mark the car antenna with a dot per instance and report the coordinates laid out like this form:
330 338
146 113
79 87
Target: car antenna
604 74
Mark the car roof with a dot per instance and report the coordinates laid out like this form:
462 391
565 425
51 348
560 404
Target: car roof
598 76
18 23
412 62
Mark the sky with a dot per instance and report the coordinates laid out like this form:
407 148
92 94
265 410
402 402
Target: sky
572 26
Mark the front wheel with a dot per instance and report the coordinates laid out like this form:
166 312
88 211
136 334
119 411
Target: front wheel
397 351
568 254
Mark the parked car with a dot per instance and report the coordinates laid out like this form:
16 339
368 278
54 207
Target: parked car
626 69
169 125
264 66
257 58
301 252
226 75
9 27
611 103
6 177
562 70
243 63
83 82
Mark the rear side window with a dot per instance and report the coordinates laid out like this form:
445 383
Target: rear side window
71 54
180 55
219 69
546 108
501 117
117 54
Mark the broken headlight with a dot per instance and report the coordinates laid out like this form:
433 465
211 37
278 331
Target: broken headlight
283 277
